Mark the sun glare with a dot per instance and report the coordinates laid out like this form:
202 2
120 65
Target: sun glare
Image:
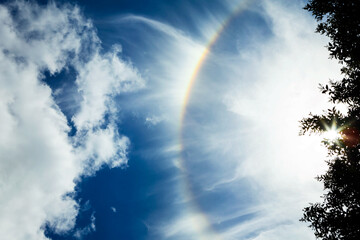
332 134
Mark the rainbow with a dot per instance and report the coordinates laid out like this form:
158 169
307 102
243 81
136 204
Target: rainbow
200 221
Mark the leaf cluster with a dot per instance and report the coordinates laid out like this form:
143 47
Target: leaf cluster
340 21
338 216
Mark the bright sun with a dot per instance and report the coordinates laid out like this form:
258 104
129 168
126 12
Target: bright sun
332 134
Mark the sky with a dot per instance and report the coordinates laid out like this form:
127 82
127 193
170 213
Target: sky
155 119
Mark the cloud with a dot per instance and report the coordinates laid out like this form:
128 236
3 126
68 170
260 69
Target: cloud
40 160
242 149
285 75
246 117
154 120
276 86
99 80
113 209
193 225
81 233
169 56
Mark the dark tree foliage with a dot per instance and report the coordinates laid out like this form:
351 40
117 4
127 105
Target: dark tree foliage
338 216
339 20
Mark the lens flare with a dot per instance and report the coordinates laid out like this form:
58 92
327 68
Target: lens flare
332 134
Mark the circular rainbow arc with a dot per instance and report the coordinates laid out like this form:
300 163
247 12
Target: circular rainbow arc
202 225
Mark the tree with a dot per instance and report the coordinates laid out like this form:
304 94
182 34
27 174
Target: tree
338 216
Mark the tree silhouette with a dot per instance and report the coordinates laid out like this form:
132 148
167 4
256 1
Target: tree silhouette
338 216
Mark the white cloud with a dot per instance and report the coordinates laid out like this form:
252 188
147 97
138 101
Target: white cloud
188 225
266 90
81 233
154 120
113 209
284 88
100 79
102 146
39 161
171 56
283 74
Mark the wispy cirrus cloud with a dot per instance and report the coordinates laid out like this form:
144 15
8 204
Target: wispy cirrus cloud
169 56
271 85
241 133
249 173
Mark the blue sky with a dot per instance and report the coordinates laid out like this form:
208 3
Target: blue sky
159 119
